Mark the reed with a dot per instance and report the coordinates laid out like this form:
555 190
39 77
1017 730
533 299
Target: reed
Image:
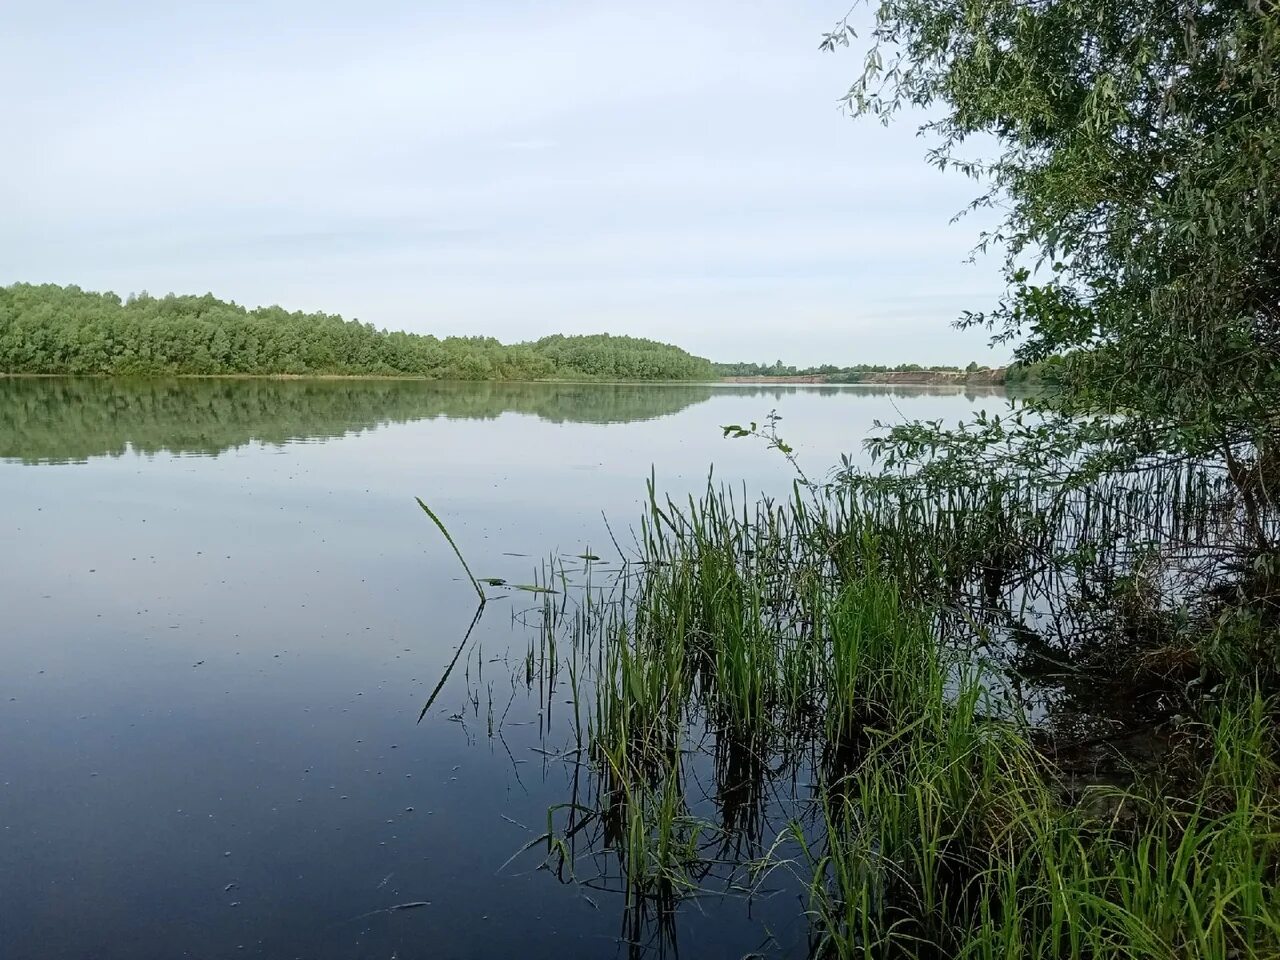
842 663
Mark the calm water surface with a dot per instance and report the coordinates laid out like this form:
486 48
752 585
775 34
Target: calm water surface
223 613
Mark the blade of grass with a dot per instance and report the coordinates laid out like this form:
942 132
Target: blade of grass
439 523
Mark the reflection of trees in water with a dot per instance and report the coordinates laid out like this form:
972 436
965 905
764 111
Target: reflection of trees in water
63 419
66 419
776 391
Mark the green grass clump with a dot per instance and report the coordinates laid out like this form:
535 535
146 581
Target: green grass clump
802 655
948 840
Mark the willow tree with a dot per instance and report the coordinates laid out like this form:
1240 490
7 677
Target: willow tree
1133 150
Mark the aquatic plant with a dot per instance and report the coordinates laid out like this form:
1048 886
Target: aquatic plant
843 676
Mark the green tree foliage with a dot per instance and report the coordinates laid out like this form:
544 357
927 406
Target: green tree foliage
607 357
51 329
1134 150
1047 371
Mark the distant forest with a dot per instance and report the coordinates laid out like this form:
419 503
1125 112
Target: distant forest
1025 374
832 373
49 329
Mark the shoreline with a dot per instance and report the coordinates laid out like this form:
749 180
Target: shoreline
923 378
397 377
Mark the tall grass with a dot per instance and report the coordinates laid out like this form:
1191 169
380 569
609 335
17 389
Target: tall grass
838 663
949 841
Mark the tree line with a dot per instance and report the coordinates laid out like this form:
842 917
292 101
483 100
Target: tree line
833 373
51 329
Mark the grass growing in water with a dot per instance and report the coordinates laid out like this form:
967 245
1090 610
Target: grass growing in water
824 663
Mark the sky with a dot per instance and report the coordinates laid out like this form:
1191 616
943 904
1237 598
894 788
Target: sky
674 170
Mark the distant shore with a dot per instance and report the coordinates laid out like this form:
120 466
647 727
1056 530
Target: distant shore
987 377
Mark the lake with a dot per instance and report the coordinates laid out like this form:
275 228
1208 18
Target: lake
224 613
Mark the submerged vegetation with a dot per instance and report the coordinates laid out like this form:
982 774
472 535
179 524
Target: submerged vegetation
50 329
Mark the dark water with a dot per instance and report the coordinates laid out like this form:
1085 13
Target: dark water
223 613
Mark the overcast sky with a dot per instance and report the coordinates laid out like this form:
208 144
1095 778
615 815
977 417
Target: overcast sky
678 170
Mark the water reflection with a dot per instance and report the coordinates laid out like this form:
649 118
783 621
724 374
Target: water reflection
59 420
69 420
213 666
